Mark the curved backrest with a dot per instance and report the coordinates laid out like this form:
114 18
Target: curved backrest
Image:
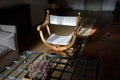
63 20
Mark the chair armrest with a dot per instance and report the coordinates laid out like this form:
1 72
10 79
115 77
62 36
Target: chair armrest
41 27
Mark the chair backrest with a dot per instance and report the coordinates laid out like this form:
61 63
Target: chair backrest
63 20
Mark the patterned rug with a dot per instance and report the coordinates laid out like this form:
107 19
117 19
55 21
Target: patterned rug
62 68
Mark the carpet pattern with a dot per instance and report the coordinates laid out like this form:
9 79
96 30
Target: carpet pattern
74 69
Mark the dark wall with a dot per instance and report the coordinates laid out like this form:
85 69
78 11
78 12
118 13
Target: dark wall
19 16
117 7
93 5
8 3
16 15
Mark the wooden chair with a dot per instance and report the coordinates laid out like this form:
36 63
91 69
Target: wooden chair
56 45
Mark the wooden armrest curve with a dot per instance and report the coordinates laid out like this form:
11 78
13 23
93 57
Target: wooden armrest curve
40 27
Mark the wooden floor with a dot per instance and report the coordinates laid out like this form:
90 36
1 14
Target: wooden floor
103 47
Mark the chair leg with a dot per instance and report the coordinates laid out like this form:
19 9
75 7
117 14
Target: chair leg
51 51
62 53
67 53
71 51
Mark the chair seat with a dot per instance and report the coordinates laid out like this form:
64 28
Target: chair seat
59 40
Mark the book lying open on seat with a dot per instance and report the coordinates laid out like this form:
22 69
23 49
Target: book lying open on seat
60 40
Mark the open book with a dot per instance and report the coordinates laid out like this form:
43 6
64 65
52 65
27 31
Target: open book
61 40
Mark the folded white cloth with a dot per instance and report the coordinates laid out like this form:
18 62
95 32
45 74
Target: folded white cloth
8 28
7 39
